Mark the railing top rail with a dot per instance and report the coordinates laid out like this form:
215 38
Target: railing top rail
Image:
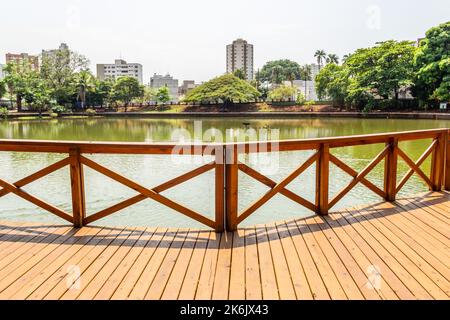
51 146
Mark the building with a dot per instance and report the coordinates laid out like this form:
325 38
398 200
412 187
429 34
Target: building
20 57
308 90
159 81
240 56
53 52
186 87
120 68
315 69
2 74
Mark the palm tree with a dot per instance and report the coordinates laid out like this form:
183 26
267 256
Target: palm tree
84 81
345 57
321 56
332 58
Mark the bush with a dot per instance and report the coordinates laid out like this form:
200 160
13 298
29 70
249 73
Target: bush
300 99
54 115
91 112
3 112
59 109
310 103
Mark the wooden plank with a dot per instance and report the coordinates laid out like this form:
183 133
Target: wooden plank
415 168
282 272
141 286
365 257
140 264
90 271
223 268
77 187
17 236
316 283
65 270
191 278
159 282
390 170
208 271
238 270
438 163
219 197
231 189
92 289
323 176
352 278
175 281
332 284
253 289
268 278
296 270
31 280
390 254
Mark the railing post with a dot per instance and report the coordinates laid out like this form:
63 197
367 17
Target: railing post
220 189
77 184
322 180
231 187
447 162
390 170
438 163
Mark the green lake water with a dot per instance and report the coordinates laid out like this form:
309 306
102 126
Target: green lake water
197 194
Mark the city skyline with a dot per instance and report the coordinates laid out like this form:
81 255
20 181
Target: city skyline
271 29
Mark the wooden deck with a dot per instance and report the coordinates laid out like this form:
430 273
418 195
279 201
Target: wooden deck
383 251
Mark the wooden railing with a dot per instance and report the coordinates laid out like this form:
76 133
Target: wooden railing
227 166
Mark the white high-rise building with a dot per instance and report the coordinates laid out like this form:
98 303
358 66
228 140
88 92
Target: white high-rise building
240 56
159 81
120 69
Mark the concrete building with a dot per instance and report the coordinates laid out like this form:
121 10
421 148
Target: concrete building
240 56
159 81
186 87
120 68
19 57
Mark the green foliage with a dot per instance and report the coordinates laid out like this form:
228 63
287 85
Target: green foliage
332 58
101 92
163 95
227 89
321 57
84 82
383 69
240 74
58 109
2 88
333 82
278 71
3 112
283 93
310 103
300 99
91 112
126 89
432 65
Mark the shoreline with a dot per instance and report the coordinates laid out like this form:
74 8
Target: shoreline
260 115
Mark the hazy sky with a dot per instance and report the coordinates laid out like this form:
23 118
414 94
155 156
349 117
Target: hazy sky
188 37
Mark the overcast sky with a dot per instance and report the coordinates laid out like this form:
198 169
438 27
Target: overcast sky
188 37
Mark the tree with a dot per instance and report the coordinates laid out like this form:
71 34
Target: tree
84 83
240 74
332 58
149 94
19 79
305 74
278 71
2 88
101 92
320 55
227 89
126 89
383 69
432 65
58 70
163 95
333 82
283 93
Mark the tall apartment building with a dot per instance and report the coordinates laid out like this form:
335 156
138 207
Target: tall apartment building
240 56
120 68
19 57
159 81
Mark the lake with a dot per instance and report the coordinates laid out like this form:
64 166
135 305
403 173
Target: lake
197 194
